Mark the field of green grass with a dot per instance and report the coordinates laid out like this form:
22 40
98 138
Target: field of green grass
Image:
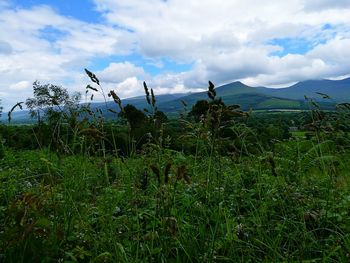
164 206
279 103
298 134
215 184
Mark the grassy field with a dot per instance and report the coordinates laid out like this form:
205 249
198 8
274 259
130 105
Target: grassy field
164 206
279 103
298 134
216 184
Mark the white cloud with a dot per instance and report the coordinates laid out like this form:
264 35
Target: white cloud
317 5
335 52
22 85
227 40
130 87
118 72
27 54
223 41
5 48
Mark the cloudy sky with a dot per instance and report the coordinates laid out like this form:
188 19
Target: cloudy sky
175 45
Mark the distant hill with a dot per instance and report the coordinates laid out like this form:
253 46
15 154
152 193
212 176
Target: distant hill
268 98
18 117
338 90
257 98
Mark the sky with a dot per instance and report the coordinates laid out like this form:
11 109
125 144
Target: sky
174 45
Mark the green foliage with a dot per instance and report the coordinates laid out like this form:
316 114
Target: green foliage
199 109
2 148
135 117
219 184
160 117
46 96
155 210
279 103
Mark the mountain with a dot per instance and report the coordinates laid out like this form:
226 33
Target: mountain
139 102
292 97
17 117
236 93
338 90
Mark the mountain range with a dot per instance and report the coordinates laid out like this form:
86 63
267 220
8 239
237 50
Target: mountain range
292 97
260 98
256 98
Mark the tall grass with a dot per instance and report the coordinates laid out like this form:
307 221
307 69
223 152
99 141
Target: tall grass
287 202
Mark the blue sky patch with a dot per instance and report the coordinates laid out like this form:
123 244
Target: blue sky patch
301 46
291 46
79 9
327 27
51 34
151 67
167 66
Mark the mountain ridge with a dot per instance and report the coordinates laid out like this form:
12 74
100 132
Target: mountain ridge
236 92
338 90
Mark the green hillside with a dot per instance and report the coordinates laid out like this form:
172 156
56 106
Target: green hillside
237 93
337 90
279 103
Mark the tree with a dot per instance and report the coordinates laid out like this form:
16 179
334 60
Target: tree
46 98
199 109
134 116
56 106
51 101
160 116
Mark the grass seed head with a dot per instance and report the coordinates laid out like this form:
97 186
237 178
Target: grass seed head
156 171
92 76
166 172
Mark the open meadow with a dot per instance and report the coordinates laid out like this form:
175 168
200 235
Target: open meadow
214 184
